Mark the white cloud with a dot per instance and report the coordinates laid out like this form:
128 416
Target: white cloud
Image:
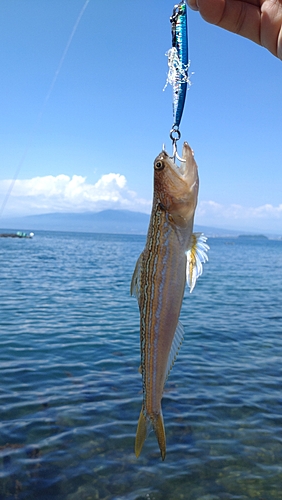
238 211
215 214
62 193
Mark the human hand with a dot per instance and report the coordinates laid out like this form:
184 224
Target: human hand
258 20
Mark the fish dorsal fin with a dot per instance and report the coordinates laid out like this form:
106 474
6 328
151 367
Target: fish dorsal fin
175 348
135 281
196 255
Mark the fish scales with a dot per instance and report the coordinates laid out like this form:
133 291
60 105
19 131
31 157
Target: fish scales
172 253
159 306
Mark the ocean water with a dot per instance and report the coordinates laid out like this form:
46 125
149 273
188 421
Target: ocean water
70 390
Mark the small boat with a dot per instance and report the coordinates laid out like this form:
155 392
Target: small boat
18 234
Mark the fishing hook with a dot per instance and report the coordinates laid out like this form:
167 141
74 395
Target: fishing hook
175 138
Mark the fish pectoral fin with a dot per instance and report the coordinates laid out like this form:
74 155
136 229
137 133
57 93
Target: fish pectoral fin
175 348
135 281
144 426
196 256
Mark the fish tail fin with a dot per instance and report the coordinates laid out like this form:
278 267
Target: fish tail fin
159 429
143 428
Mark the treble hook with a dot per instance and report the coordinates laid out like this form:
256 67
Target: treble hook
175 130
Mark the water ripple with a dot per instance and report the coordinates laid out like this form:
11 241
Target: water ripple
70 392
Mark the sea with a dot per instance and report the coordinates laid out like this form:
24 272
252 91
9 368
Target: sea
71 391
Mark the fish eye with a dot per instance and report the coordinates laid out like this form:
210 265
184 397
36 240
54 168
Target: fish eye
159 165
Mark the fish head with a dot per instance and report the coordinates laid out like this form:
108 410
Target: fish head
176 188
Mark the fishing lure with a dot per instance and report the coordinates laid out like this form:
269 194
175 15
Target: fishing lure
178 65
178 62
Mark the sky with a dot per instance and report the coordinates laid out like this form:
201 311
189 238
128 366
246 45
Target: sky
81 123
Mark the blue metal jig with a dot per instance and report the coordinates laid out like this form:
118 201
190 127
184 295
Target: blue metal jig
178 60
178 64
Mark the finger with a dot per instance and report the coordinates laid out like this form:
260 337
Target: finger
271 27
237 16
242 18
193 4
211 11
258 20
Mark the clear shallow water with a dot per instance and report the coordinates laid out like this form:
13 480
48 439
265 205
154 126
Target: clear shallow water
70 391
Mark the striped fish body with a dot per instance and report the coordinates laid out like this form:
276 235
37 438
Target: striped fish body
162 282
159 281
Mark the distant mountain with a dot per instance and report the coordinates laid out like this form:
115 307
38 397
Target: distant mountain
106 221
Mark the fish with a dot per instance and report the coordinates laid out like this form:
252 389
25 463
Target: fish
173 254
178 61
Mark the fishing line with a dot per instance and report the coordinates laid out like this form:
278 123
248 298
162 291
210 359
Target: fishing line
34 130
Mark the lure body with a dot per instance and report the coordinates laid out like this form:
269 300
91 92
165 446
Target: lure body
178 60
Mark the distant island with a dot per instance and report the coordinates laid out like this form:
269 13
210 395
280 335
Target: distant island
252 237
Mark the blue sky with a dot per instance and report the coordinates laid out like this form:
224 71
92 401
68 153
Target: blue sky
93 143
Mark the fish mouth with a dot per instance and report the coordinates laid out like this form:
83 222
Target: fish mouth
177 186
188 159
186 167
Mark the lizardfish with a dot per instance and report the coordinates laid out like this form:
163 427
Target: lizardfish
172 254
